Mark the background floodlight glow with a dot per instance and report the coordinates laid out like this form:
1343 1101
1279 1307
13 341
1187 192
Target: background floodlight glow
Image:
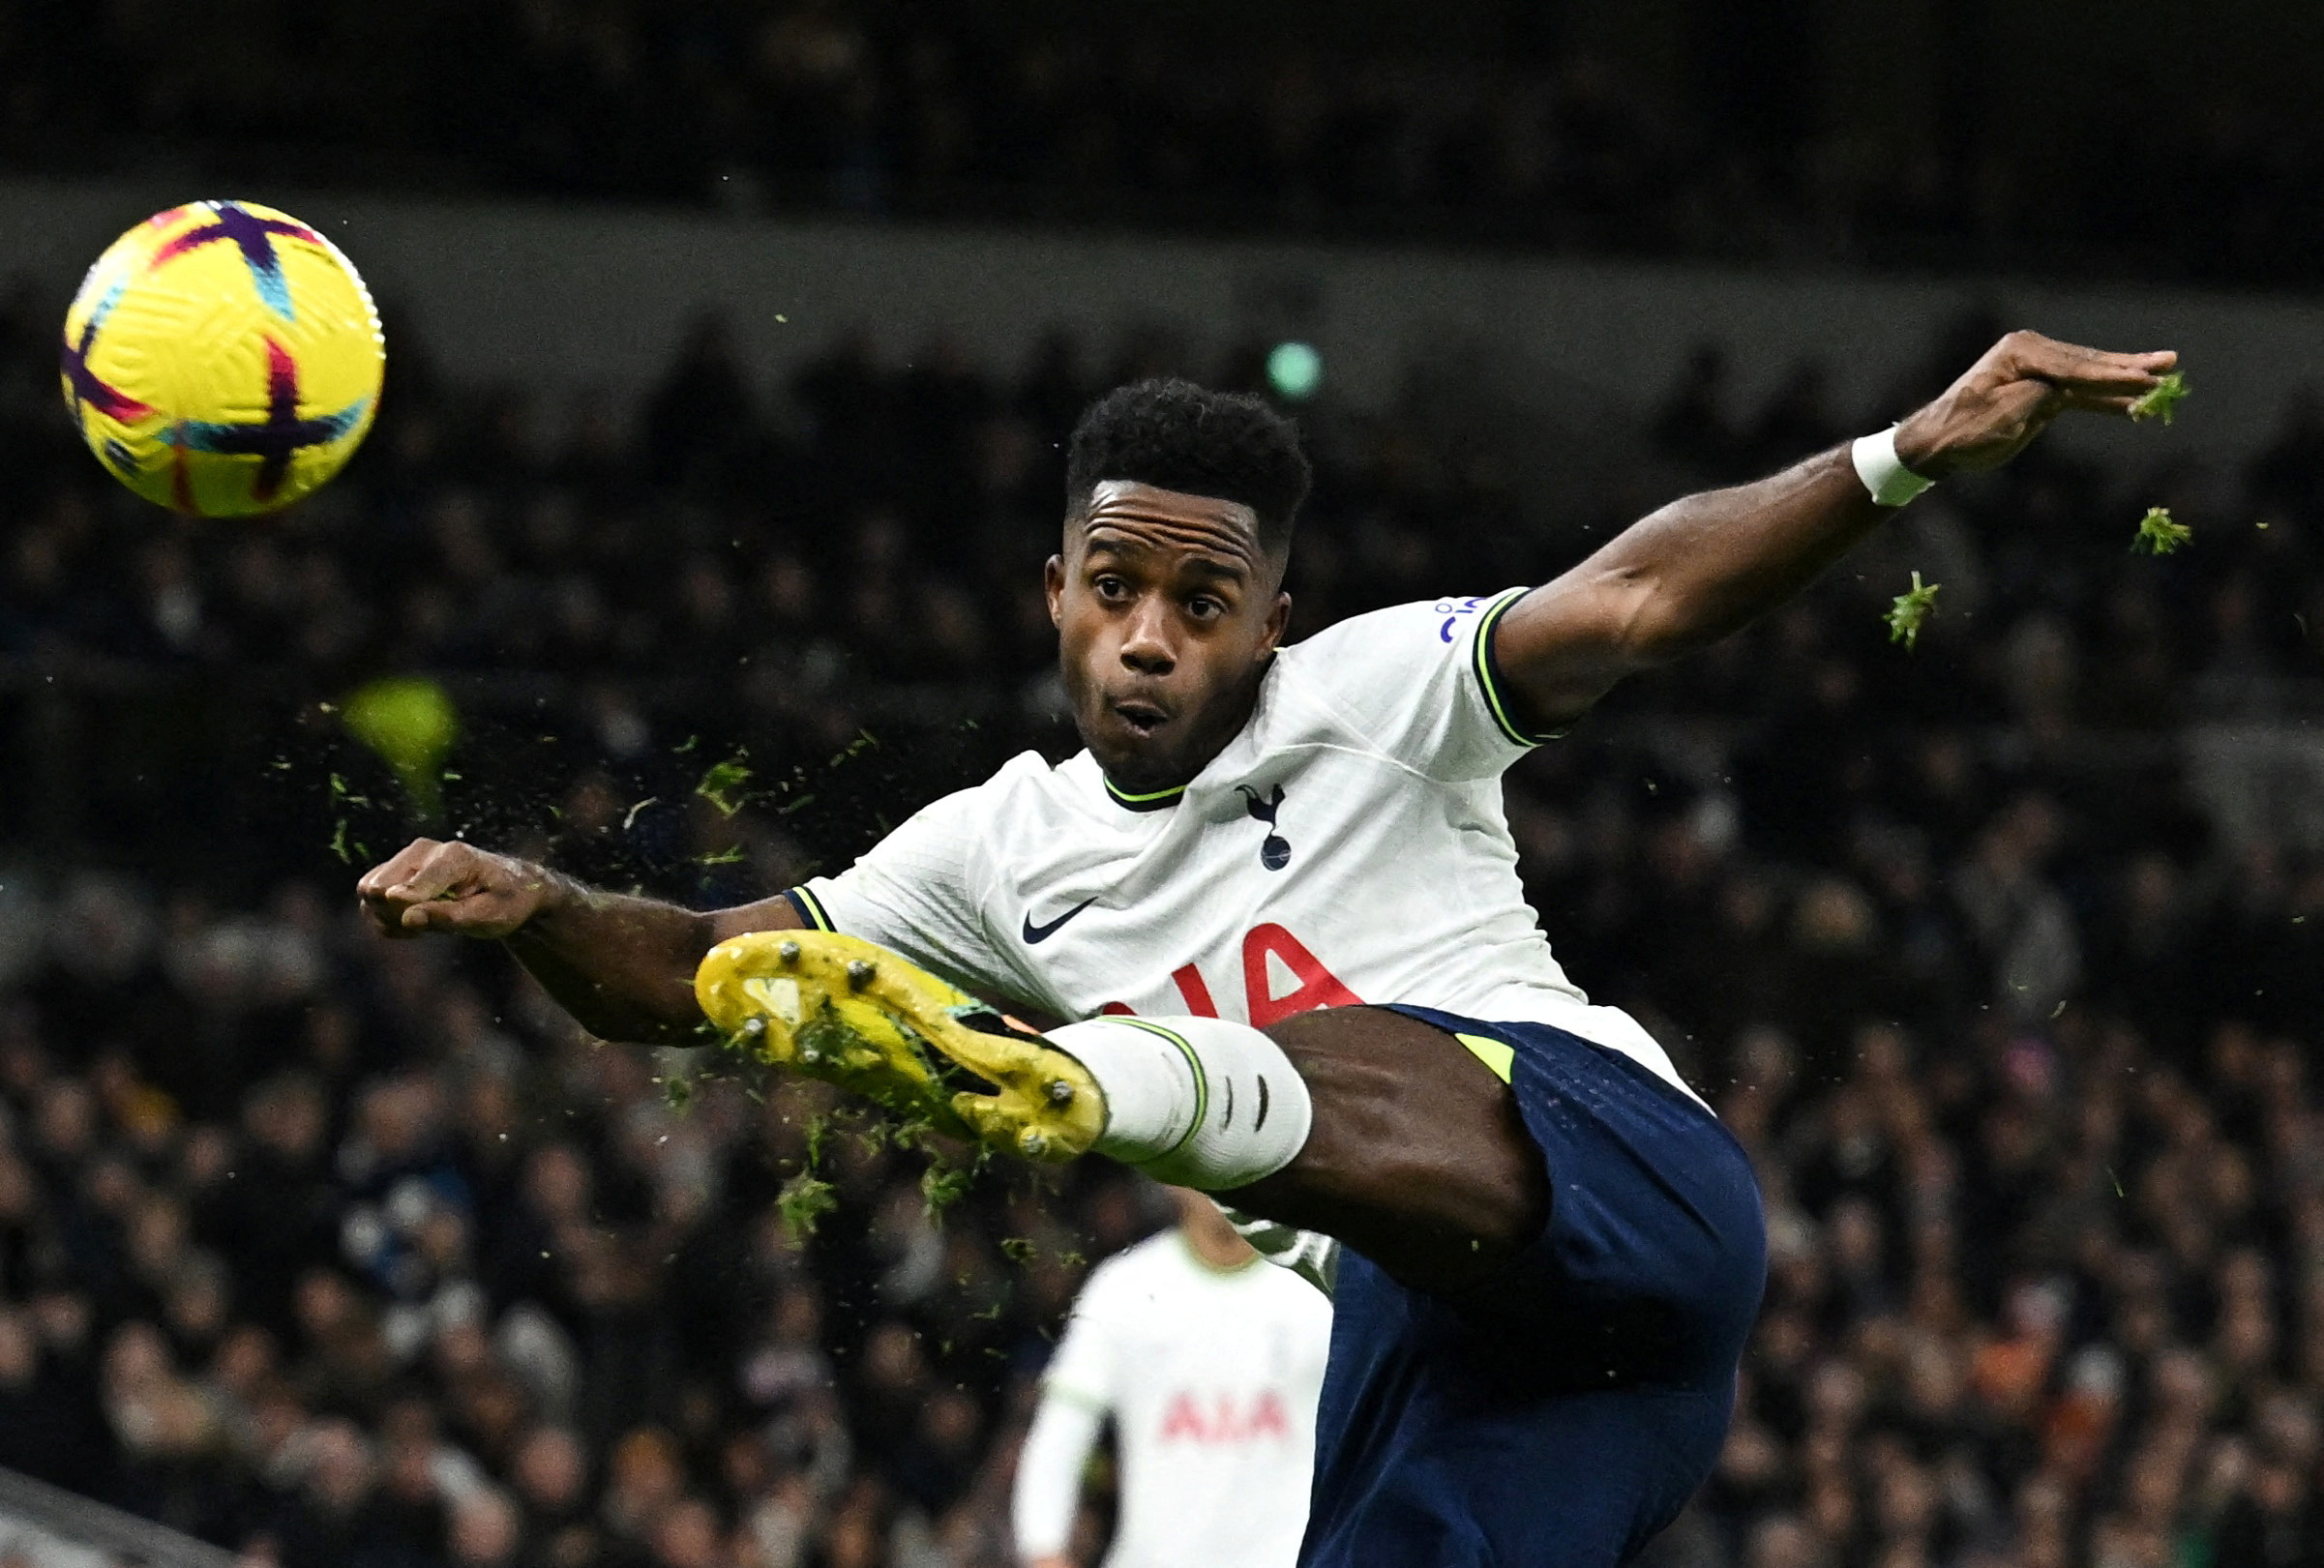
1295 369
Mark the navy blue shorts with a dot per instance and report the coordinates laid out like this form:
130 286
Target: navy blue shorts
1563 1416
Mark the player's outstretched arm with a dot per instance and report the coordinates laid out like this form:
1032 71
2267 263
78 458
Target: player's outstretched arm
1710 564
622 967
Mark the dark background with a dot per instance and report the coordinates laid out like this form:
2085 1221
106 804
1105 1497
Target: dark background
2001 955
2138 138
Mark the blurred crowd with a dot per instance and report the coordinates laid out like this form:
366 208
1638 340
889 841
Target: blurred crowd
1508 129
346 1254
339 1251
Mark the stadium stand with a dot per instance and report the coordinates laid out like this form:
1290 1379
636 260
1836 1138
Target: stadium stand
1997 954
1500 124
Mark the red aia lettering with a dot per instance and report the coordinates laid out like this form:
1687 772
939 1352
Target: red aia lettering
1314 985
1318 987
1197 994
1183 1419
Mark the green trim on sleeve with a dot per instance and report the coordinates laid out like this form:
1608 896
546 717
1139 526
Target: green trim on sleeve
810 909
1490 680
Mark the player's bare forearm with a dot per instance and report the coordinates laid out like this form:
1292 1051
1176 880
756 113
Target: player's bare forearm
623 966
1680 579
1708 565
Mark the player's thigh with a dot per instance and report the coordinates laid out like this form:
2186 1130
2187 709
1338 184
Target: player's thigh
1418 1157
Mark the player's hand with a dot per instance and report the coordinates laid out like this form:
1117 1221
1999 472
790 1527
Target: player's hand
2007 398
456 888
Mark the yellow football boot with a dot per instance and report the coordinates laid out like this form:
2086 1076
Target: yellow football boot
840 1009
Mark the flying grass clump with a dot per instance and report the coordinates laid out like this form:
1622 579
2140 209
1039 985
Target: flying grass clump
2159 535
804 1201
944 1184
806 1198
1910 611
2169 391
723 786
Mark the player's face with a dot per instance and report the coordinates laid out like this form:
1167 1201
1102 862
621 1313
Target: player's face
1167 611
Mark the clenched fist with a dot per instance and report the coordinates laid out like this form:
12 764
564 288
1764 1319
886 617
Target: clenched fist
454 887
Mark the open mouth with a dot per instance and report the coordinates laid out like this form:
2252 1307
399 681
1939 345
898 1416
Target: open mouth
1143 718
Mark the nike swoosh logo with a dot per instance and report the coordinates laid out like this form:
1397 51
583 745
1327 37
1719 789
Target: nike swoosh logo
1042 933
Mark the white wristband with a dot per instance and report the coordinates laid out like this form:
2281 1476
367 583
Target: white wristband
1883 472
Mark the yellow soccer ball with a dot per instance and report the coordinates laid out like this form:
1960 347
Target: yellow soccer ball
221 358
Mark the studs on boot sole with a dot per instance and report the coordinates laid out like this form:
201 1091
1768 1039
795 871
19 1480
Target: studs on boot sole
788 952
1059 1092
1032 1143
859 973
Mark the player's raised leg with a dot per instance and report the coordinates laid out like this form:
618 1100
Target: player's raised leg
1364 1123
1535 1223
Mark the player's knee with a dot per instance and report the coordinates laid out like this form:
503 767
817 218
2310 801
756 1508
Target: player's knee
1411 1130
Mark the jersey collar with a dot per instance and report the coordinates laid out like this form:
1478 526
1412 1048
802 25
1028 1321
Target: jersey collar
1154 800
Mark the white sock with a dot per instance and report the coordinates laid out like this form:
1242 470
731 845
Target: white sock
1201 1103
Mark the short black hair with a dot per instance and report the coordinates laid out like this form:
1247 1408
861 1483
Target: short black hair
1174 435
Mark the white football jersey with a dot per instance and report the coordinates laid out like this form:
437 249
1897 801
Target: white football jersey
1348 846
1212 1378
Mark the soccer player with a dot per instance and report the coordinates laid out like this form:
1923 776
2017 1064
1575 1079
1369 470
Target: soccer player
1278 893
1209 1363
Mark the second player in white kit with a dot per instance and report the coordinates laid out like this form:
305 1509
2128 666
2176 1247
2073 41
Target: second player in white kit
1210 1371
